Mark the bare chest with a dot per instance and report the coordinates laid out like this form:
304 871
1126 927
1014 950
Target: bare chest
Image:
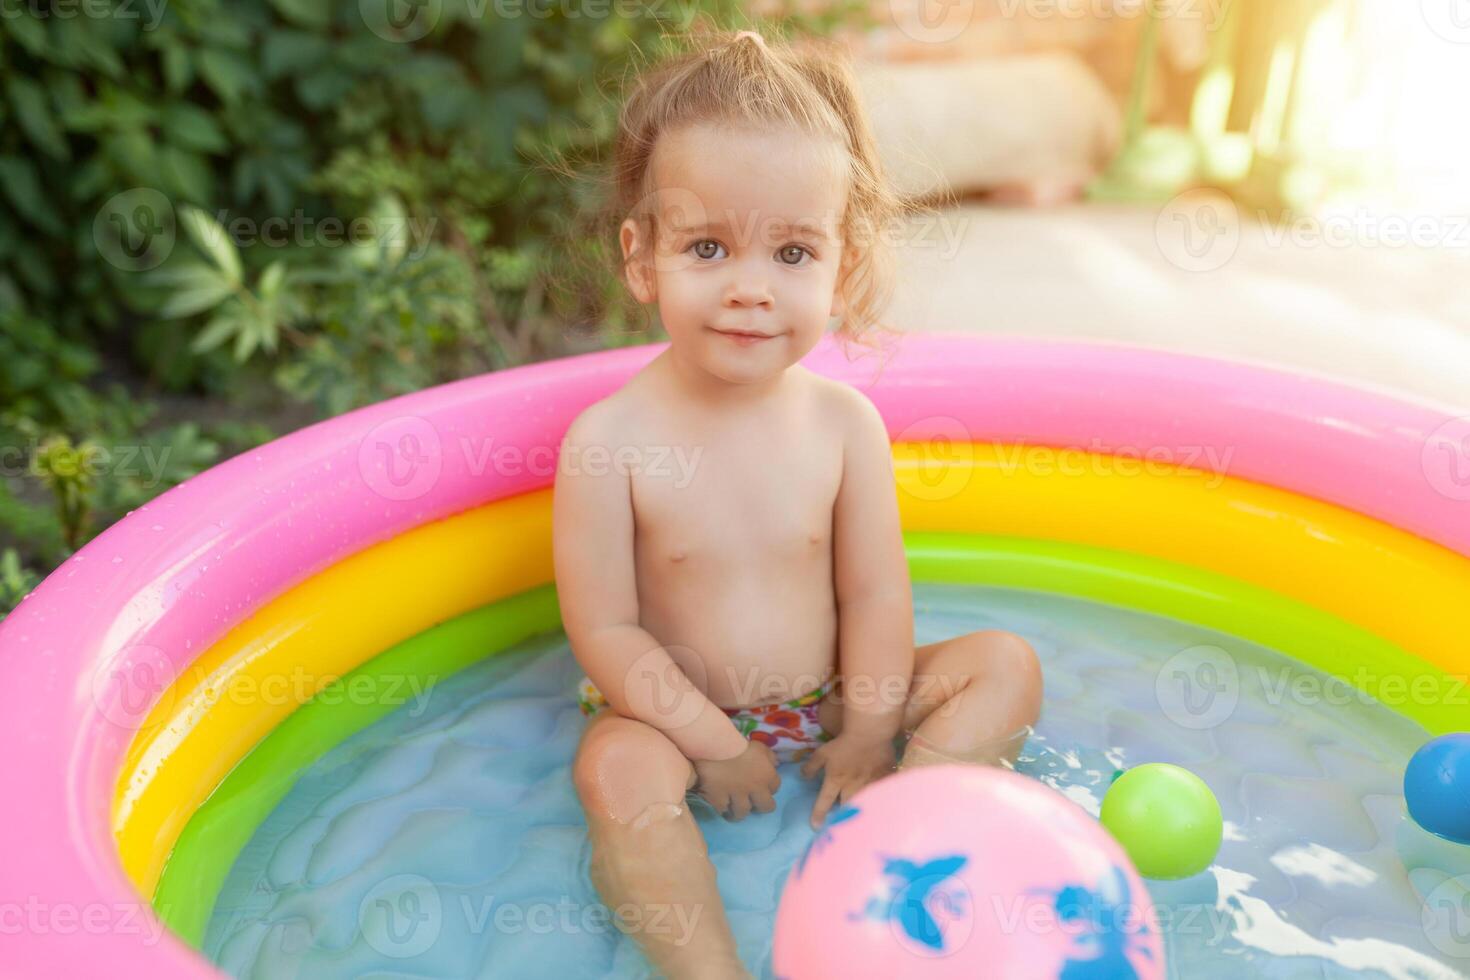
739 501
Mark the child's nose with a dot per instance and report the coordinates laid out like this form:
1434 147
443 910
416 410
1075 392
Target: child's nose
748 290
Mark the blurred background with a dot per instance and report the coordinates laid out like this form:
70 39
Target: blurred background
220 221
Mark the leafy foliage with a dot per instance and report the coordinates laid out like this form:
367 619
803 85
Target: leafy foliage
252 203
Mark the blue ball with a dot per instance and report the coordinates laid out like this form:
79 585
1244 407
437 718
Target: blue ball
1437 787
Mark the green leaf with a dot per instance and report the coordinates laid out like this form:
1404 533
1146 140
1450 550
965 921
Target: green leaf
22 187
34 115
195 287
323 88
227 73
178 70
307 13
270 281
246 341
84 43
135 155
191 128
216 332
287 52
30 32
186 174
212 239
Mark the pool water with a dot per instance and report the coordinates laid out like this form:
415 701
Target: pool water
446 840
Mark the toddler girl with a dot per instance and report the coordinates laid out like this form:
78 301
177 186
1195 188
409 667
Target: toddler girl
753 605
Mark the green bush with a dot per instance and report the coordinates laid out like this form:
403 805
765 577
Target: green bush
261 203
294 114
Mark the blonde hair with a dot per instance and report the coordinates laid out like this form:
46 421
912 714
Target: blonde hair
737 79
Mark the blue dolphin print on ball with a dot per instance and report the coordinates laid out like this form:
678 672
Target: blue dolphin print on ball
910 888
1111 937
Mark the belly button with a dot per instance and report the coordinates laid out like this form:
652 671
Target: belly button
676 556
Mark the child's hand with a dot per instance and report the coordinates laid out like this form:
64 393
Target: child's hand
736 786
852 762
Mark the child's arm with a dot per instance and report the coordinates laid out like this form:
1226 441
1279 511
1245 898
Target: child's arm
871 577
875 612
592 548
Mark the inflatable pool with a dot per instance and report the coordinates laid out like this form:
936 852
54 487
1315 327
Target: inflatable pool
151 688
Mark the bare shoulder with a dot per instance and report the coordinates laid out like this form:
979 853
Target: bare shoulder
611 421
856 419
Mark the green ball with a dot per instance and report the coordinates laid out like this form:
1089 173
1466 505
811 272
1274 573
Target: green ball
1166 818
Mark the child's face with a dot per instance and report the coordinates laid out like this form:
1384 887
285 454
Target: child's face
749 228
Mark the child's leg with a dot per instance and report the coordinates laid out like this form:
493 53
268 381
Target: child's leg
647 853
973 699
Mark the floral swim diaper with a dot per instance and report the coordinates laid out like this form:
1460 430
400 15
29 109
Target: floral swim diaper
790 728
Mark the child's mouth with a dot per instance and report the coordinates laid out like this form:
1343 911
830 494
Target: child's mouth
743 338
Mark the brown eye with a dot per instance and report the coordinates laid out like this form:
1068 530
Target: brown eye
706 248
793 253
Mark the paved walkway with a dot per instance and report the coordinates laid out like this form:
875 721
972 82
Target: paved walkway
1336 299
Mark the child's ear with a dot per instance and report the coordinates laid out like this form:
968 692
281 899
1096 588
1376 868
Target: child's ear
638 271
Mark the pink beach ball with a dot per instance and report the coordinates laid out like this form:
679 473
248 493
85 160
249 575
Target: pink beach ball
965 871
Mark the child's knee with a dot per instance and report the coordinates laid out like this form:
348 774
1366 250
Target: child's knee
624 766
1013 661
